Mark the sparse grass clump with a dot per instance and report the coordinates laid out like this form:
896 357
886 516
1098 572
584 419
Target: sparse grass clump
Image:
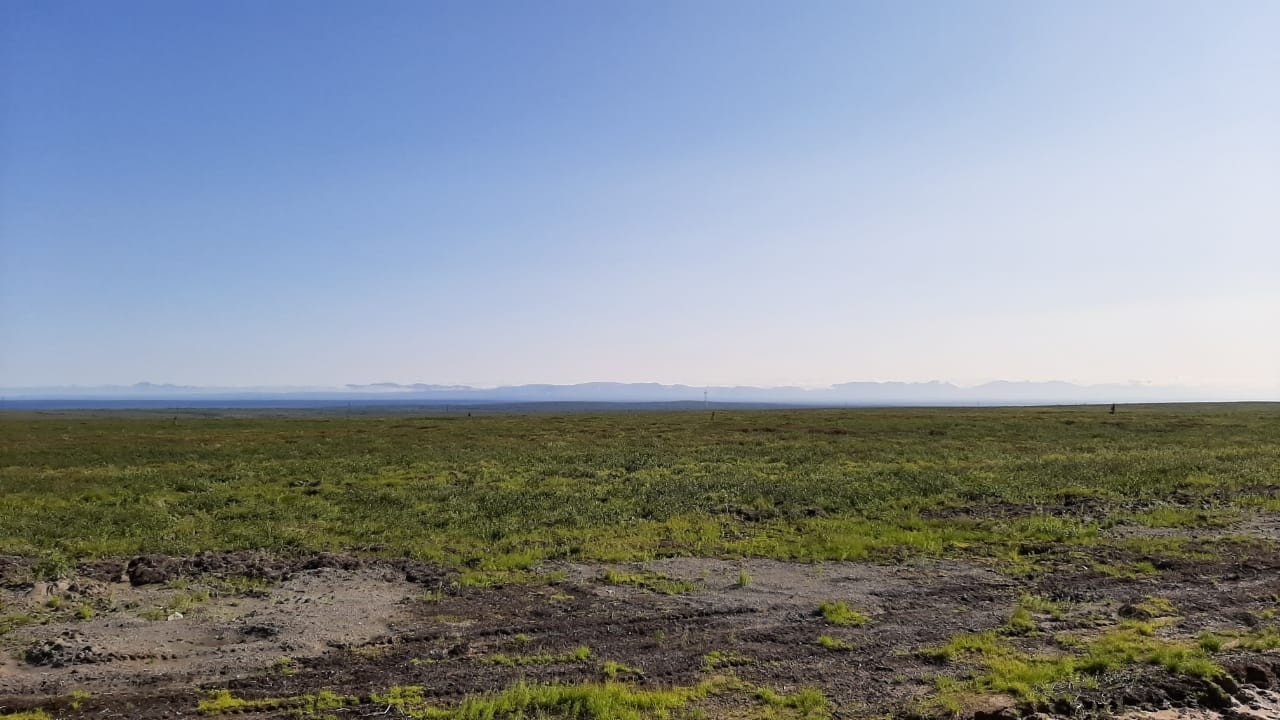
11 622
717 659
77 698
983 644
807 702
399 697
1210 642
1020 622
1156 607
838 613
612 670
578 654
1126 570
584 701
590 701
222 702
609 700
1041 605
1173 516
1261 640
831 643
656 582
237 585
1005 669
55 565
184 602
492 578
1126 646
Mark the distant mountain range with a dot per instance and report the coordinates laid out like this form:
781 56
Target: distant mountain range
853 394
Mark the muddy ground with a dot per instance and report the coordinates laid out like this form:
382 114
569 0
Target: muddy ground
149 637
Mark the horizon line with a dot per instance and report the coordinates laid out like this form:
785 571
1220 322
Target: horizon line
392 386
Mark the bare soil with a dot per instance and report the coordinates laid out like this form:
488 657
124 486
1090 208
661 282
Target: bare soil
165 631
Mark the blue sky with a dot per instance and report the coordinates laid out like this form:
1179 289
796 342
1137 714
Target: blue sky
318 193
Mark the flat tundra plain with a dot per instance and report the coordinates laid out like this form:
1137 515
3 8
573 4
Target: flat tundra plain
984 563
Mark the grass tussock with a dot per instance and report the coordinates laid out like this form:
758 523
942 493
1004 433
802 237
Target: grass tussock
807 702
838 613
613 670
831 643
1155 607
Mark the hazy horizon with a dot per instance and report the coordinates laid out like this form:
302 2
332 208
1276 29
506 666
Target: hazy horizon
607 395
713 193
427 384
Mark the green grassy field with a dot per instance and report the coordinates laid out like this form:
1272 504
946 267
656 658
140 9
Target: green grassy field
499 494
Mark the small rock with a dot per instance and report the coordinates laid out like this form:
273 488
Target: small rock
174 616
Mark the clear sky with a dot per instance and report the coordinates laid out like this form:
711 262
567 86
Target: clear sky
706 192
